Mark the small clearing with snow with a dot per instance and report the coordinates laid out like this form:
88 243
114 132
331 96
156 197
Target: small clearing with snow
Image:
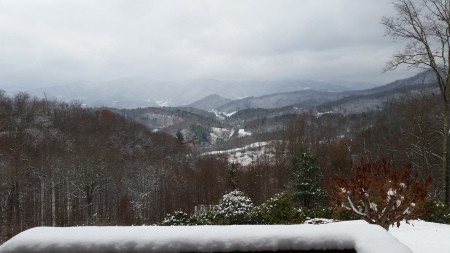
220 133
243 133
245 155
222 115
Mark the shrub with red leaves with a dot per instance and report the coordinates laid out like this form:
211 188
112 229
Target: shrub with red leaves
379 193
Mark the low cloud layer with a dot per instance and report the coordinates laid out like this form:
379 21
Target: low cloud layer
45 43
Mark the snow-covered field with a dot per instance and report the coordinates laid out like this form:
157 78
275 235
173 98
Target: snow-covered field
418 237
245 155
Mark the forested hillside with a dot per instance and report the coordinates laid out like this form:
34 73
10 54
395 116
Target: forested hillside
66 165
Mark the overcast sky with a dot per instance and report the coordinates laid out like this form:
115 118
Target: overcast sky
45 43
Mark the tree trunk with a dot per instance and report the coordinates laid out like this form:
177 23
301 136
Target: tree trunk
89 192
445 142
9 214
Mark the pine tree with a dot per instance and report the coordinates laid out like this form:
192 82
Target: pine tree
180 138
306 181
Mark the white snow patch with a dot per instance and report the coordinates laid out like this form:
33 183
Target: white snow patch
231 133
423 237
230 114
219 133
219 115
253 145
163 103
222 115
245 158
245 155
323 113
364 238
318 221
243 133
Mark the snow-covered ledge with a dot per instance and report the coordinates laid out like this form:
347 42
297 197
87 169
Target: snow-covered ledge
363 238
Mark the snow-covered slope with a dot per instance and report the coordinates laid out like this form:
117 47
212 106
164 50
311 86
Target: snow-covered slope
245 155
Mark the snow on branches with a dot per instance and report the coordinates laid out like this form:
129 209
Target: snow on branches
235 207
379 193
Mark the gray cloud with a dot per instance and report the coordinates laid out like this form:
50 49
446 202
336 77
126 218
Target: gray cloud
54 42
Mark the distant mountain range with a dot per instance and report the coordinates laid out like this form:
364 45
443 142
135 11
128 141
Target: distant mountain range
147 92
203 120
344 100
228 96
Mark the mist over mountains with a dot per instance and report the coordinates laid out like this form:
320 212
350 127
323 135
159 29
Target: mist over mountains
148 92
231 96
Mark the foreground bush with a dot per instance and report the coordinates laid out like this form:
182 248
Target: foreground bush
179 218
234 208
280 209
439 213
380 194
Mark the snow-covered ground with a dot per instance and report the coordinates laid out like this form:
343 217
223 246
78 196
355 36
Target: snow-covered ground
244 155
364 238
226 133
220 133
423 237
417 237
222 115
243 133
251 146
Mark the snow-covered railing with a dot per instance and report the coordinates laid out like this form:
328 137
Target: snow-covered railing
362 238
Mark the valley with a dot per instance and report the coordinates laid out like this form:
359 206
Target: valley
214 122
73 165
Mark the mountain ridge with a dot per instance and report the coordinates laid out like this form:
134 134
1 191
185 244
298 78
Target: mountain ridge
326 99
147 92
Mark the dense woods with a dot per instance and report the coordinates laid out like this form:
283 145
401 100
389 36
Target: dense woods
66 165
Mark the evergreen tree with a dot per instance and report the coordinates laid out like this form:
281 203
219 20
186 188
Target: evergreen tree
180 138
307 176
233 176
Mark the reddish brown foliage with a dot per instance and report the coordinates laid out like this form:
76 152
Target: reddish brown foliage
379 193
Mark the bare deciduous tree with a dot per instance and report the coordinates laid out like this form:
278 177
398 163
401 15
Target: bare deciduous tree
425 27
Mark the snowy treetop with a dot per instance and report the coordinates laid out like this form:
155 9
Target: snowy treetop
364 238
